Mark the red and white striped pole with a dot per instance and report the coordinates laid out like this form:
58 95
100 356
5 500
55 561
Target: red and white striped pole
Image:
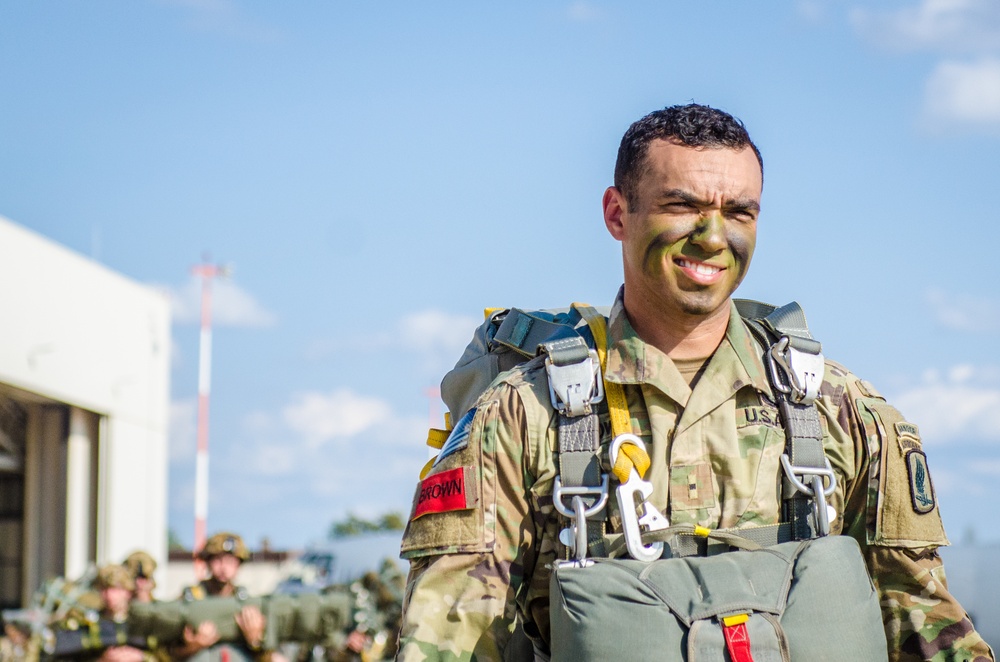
206 272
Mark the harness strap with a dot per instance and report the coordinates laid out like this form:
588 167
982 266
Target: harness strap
581 488
803 510
632 456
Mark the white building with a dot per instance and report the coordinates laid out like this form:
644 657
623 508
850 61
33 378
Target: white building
84 395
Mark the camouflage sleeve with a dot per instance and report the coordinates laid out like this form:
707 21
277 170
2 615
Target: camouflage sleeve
892 512
470 538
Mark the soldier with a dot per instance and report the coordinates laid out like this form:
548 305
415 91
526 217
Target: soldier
141 566
99 640
684 205
223 553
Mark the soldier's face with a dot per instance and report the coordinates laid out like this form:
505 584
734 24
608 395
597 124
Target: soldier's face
116 599
688 238
224 567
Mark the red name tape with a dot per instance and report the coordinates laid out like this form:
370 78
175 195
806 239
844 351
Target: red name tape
442 493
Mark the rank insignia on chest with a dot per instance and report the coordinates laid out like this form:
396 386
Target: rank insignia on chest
921 490
445 492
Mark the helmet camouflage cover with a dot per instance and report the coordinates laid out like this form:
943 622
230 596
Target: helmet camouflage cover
225 543
140 564
114 576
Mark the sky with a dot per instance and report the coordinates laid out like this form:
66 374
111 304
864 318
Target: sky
378 173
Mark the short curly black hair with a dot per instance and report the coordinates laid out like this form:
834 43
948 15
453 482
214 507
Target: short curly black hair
693 125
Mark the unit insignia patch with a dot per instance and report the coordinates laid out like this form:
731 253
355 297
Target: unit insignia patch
921 489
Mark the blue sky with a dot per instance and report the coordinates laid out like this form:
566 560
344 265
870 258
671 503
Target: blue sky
379 172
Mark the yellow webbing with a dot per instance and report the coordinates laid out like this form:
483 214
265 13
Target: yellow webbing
631 456
436 438
427 467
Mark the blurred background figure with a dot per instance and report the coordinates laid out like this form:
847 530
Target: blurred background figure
141 567
223 554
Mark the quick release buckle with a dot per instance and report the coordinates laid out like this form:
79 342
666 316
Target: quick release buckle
800 362
575 537
574 376
817 489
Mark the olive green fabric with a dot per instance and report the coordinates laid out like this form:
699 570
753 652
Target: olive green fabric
305 618
671 609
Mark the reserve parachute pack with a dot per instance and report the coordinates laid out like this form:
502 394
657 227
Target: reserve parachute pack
771 593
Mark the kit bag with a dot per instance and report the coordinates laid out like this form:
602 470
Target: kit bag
810 600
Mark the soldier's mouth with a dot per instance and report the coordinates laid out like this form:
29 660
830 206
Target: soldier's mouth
700 272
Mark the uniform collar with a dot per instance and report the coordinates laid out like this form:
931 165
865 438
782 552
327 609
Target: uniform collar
735 364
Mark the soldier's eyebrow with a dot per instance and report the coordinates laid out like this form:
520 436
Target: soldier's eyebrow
684 196
735 204
739 204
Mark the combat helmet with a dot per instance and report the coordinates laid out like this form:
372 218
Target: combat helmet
224 543
140 564
114 576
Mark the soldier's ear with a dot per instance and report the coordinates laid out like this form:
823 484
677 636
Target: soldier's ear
615 208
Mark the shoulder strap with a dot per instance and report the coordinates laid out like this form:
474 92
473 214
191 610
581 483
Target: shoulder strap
580 490
795 366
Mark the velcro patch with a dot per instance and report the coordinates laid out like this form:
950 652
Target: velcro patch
921 490
908 436
445 492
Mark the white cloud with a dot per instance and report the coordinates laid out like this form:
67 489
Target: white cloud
231 304
966 94
436 331
583 12
435 338
989 468
323 417
956 26
224 17
812 11
183 430
964 312
958 408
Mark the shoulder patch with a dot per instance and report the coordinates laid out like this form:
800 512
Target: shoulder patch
444 492
459 437
908 436
921 490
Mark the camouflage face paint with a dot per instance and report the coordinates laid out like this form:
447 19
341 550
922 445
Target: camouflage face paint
692 233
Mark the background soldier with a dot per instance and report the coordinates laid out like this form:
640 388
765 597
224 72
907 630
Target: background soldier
99 640
141 567
223 553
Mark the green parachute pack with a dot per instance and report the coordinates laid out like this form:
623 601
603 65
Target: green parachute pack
655 591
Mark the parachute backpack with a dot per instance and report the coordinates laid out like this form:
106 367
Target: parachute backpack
656 591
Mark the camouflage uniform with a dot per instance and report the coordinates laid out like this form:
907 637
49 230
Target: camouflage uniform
715 462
